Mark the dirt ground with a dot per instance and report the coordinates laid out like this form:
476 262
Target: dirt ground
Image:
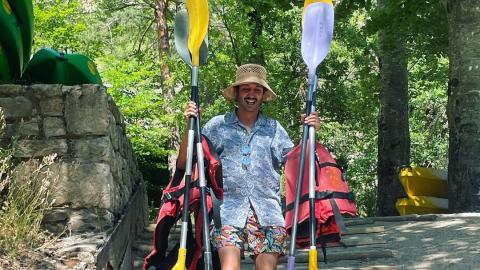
448 242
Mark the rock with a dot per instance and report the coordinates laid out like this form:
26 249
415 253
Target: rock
94 150
52 106
53 127
29 128
84 185
86 111
11 90
90 220
41 148
16 107
46 91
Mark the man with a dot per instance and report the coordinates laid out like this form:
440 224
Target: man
251 148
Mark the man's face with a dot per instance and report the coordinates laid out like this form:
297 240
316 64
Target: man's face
249 96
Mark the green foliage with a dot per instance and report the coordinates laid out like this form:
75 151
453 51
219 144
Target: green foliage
428 119
355 150
59 24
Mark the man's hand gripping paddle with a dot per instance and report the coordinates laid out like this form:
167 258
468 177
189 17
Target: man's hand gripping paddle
198 26
317 37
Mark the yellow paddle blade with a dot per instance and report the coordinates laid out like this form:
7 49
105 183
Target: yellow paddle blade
182 256
312 259
198 22
308 2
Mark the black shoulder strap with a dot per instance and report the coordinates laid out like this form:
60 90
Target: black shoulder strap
217 221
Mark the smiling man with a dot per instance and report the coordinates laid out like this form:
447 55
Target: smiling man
252 149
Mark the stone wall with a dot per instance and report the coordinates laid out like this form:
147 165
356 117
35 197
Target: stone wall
97 175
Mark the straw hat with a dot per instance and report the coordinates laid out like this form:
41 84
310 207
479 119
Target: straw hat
250 73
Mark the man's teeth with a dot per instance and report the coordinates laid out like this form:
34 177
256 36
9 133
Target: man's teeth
250 101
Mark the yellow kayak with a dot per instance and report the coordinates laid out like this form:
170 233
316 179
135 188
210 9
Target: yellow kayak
421 205
420 181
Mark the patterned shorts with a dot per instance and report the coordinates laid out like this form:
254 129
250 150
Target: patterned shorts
256 239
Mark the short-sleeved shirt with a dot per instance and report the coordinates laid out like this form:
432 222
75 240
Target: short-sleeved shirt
257 184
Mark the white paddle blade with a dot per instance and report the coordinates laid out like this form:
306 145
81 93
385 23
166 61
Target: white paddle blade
317 34
181 36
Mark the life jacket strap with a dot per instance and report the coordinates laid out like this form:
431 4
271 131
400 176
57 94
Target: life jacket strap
174 195
330 164
338 216
324 195
217 221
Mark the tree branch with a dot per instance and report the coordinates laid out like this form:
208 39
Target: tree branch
232 39
142 37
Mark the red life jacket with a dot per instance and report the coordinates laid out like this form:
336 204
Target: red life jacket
171 211
332 197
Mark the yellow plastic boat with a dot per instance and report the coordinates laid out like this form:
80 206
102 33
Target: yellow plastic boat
420 181
421 205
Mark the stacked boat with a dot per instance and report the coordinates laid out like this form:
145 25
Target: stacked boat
426 189
47 65
52 67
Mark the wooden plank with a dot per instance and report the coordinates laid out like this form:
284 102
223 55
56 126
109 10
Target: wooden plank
370 220
364 230
429 217
359 240
356 240
358 221
347 254
359 229
304 266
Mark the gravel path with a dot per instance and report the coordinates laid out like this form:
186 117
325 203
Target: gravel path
449 242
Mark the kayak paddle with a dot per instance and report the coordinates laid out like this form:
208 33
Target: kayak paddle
308 2
317 36
181 39
197 30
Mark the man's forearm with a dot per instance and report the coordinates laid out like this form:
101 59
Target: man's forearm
182 152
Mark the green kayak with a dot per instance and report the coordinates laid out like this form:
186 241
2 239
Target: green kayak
51 67
4 68
23 10
11 39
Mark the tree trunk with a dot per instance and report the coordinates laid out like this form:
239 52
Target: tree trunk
161 7
464 105
393 130
162 32
257 56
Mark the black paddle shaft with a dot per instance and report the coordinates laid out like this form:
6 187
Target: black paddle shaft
203 188
308 111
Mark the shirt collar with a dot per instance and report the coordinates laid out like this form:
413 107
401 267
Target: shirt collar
232 118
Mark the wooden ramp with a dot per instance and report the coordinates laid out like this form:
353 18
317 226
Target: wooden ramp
363 243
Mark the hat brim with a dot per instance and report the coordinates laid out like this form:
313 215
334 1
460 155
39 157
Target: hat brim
269 95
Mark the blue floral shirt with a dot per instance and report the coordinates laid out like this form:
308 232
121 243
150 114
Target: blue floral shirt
256 184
